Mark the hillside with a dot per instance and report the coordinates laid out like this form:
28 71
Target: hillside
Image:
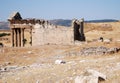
64 22
4 26
61 22
102 20
107 30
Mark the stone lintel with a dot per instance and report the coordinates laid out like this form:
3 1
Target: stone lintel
20 26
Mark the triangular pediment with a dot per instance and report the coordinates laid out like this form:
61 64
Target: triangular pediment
15 16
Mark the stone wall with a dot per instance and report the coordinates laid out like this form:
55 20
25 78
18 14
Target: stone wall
50 34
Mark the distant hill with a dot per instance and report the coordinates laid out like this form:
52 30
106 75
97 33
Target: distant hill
4 26
61 22
103 20
68 22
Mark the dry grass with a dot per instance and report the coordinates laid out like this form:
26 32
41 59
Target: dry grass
92 31
50 72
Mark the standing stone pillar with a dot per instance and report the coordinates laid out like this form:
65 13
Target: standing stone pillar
31 37
18 40
22 37
19 37
12 39
15 37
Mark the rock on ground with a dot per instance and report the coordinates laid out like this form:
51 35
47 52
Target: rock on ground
90 76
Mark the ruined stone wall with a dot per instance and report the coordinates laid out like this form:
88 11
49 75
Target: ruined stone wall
50 34
42 32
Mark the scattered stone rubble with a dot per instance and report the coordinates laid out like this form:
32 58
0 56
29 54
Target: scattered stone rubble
60 62
11 68
8 68
98 51
101 50
90 76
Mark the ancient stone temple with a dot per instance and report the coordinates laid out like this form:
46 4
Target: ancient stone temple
43 32
18 25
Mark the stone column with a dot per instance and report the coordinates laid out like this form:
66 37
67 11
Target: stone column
18 37
15 37
31 36
22 37
12 39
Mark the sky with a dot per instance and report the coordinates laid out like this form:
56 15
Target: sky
61 9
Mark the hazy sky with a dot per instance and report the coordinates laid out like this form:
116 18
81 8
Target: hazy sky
61 9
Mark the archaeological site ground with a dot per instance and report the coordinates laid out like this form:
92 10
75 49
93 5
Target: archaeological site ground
36 51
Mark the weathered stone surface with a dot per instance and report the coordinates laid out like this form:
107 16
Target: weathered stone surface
86 79
51 35
11 68
107 41
78 26
90 76
98 50
60 62
96 74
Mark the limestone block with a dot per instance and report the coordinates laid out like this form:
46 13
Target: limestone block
90 76
60 62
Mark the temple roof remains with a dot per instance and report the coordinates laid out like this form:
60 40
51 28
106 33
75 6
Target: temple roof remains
15 16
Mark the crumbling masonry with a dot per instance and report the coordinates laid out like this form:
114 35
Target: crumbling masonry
42 32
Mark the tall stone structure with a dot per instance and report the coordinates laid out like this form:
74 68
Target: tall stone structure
42 32
78 26
18 25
